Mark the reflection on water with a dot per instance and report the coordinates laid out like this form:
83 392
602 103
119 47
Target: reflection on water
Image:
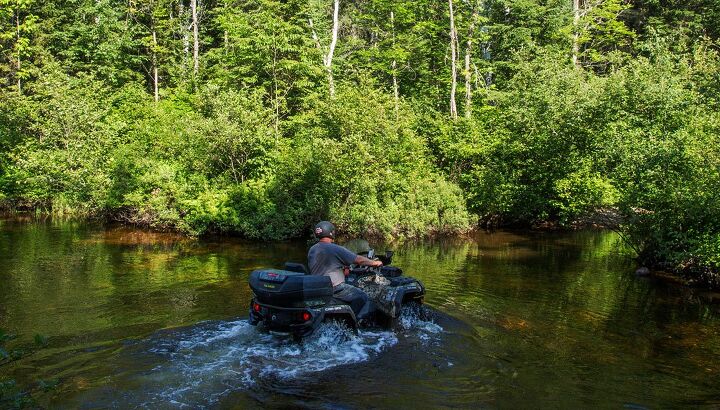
524 319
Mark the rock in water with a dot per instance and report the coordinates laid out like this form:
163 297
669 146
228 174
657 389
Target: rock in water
642 271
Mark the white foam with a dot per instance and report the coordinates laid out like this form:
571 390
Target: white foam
208 361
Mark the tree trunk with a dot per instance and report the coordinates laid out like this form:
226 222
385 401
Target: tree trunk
155 67
226 39
184 27
327 57
396 91
19 62
468 73
196 43
331 51
276 97
576 32
453 53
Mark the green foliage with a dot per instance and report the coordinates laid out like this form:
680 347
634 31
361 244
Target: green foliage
18 25
688 19
383 180
184 166
73 132
603 35
253 144
558 143
217 163
357 164
265 46
94 37
531 156
660 140
583 190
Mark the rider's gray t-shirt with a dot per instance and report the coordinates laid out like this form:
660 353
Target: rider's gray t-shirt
329 259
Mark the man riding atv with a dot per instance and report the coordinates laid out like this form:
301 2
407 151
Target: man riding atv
341 287
326 258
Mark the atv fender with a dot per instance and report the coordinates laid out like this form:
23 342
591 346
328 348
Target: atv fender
405 294
342 313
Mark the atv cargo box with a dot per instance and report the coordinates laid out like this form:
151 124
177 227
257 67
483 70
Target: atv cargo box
284 288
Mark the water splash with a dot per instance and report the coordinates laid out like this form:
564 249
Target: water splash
199 365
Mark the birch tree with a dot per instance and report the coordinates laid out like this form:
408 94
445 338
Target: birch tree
396 91
155 19
576 33
468 58
453 57
327 54
196 42
265 49
156 79
184 27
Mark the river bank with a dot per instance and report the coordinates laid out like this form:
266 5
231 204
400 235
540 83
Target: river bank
605 219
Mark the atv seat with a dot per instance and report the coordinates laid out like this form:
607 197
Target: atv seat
296 267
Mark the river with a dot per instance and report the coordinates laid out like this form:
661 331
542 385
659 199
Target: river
518 320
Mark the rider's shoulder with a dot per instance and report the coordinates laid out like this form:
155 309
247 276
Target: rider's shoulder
334 247
326 245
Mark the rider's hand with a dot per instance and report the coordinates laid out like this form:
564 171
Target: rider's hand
377 264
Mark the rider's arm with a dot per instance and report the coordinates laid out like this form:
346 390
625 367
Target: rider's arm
361 260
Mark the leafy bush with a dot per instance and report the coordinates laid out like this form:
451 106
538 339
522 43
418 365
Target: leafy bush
216 161
353 161
61 165
661 147
531 155
559 142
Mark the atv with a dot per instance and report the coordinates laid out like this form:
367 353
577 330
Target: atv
291 302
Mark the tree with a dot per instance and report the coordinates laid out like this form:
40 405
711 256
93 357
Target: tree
154 18
576 32
101 37
267 48
474 20
688 18
598 29
15 39
196 37
396 91
453 61
327 54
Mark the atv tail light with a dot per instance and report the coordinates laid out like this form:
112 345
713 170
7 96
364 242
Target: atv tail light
306 316
256 307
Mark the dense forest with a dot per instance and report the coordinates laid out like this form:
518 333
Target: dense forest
391 118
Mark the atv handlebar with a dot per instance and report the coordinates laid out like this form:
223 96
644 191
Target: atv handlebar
387 258
364 270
